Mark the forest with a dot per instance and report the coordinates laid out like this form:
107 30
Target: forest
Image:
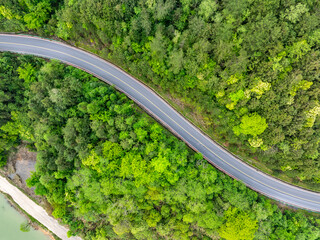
112 172
249 69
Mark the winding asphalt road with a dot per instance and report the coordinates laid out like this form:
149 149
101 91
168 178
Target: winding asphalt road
165 114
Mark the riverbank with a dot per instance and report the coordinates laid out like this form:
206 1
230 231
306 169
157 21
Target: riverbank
31 221
34 210
13 184
12 218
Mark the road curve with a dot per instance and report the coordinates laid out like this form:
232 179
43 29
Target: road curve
165 114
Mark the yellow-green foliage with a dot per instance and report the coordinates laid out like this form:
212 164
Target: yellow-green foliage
231 105
299 49
5 12
238 225
220 94
260 88
235 98
255 142
295 12
303 84
233 79
311 116
92 161
252 124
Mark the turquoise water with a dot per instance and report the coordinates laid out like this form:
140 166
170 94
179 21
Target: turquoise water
10 221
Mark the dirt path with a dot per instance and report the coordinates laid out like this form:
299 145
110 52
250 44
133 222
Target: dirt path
35 210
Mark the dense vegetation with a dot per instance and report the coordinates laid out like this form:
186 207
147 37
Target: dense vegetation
250 67
112 172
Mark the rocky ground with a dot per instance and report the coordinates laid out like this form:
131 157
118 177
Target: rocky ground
19 168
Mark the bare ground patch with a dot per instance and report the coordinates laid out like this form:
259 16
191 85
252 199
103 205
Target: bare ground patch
19 167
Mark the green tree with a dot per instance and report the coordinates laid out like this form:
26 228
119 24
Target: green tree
25 226
238 226
207 8
252 124
38 14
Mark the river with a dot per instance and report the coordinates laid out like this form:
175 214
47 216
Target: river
10 221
